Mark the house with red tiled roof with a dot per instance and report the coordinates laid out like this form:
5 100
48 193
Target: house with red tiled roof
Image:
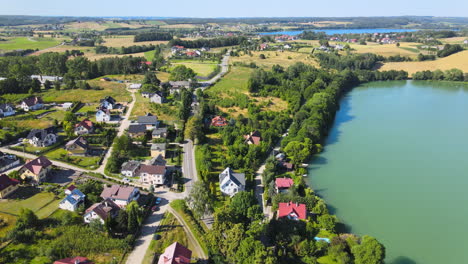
253 138
84 127
283 184
219 121
75 260
293 211
101 211
7 186
121 195
36 169
175 254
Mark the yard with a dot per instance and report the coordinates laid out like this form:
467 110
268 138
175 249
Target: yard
142 106
285 58
42 203
201 68
28 43
61 154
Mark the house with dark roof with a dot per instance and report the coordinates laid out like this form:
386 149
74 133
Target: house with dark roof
42 137
253 138
75 260
160 132
32 103
158 160
85 126
175 254
283 184
135 131
293 211
8 161
36 169
7 186
69 189
158 149
152 174
101 211
7 110
72 201
77 147
121 195
230 182
150 121
108 103
103 115
129 168
219 121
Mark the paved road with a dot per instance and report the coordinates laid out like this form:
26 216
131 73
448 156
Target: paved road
224 69
188 166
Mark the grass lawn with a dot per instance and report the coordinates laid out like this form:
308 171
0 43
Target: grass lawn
84 162
149 55
201 68
406 49
284 59
170 231
142 106
326 260
28 43
43 204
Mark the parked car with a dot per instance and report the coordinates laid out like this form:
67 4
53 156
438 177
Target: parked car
155 208
158 200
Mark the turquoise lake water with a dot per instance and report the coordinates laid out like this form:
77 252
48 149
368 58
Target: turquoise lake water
395 167
341 31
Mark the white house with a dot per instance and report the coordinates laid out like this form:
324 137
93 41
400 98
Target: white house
72 201
101 211
42 137
121 195
135 86
44 78
231 183
103 115
108 103
156 98
152 174
32 103
130 168
6 110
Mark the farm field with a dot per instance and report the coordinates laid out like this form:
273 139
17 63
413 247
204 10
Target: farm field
93 56
285 59
405 49
454 40
28 43
103 25
63 48
125 41
458 60
201 68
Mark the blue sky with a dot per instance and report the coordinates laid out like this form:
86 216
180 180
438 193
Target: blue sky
236 8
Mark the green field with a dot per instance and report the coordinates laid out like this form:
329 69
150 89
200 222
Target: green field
201 68
84 162
28 43
149 55
233 82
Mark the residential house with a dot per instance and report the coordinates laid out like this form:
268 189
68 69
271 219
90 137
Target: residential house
72 201
101 211
66 106
152 174
75 260
191 54
69 189
36 169
8 161
253 138
121 195
157 98
44 78
176 49
180 84
42 137
159 133
108 103
283 184
136 131
288 166
175 254
158 149
219 121
293 211
135 86
7 110
32 103
230 182
205 49
103 115
146 94
150 121
7 186
129 168
77 147
264 46
159 160
84 127
287 46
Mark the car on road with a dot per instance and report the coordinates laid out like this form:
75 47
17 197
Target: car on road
158 200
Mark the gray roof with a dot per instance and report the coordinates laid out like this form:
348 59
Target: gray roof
159 160
4 106
135 129
237 178
158 146
130 165
147 120
159 131
41 133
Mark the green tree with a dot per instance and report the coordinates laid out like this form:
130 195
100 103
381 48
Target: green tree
26 219
133 212
199 200
151 78
47 85
327 222
370 251
181 73
35 85
298 151
193 128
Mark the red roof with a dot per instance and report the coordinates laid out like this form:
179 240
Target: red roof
219 121
86 123
71 187
253 138
175 254
292 210
284 182
6 182
36 165
79 260
146 62
179 47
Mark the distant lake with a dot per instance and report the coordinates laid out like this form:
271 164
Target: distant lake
342 31
395 167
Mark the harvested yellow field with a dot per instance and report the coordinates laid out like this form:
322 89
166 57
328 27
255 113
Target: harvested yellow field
454 40
405 49
94 56
180 26
273 103
458 60
284 59
327 23
163 76
63 48
125 41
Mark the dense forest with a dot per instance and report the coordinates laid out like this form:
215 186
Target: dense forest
210 43
151 36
